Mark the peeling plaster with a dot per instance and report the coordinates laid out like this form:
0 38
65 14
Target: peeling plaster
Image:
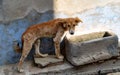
12 31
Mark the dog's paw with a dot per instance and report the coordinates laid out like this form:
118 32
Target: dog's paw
60 57
40 55
44 55
20 70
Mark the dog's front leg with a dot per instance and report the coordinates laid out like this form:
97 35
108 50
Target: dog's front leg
57 40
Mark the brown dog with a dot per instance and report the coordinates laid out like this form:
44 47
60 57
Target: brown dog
53 28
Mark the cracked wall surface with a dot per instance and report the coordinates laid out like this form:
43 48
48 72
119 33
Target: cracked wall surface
17 15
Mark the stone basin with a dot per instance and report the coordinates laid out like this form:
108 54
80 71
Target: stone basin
91 47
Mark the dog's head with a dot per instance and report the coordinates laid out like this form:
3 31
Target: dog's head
70 23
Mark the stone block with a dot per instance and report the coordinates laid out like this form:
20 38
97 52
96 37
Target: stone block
47 61
92 47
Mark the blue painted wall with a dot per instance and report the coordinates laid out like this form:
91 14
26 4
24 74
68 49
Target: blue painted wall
12 31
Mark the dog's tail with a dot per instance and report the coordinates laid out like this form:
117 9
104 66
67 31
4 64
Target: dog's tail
17 47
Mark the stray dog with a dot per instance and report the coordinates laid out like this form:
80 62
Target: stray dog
53 28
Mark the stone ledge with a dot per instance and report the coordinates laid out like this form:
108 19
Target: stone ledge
108 66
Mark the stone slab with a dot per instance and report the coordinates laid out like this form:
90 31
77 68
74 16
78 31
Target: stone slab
92 47
117 73
47 61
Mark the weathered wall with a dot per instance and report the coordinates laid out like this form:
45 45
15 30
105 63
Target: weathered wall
17 15
71 7
15 9
96 14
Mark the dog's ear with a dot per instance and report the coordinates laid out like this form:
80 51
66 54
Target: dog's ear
77 20
62 23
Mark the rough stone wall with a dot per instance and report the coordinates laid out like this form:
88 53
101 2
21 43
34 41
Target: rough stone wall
17 15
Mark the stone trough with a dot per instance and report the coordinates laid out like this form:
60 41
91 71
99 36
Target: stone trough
92 47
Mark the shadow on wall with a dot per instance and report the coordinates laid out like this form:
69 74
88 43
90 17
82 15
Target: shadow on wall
12 31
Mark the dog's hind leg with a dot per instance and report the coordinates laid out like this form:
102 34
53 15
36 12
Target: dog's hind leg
37 52
26 49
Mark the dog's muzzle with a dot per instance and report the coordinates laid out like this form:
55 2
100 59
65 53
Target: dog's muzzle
71 32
